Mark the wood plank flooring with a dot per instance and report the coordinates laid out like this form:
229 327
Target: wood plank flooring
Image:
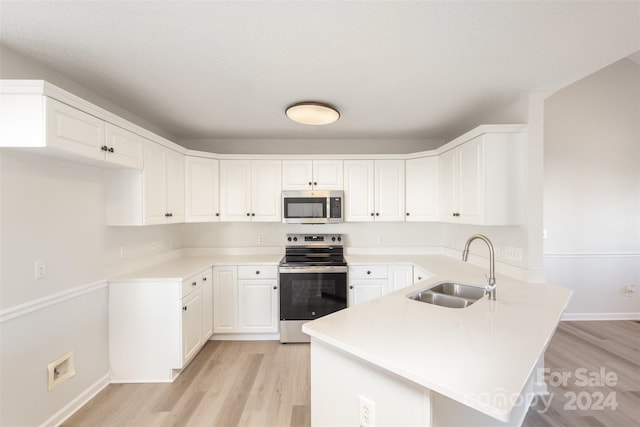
265 383
577 357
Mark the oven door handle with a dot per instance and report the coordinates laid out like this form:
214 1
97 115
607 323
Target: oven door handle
309 269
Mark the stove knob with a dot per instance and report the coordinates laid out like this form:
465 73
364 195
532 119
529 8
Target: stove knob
339 239
289 239
333 239
295 239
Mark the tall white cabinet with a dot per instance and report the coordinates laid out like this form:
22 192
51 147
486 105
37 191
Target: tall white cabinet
250 190
374 190
481 180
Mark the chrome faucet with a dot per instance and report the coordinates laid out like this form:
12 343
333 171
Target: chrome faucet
491 280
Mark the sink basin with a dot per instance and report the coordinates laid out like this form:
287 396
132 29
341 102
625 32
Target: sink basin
459 290
448 294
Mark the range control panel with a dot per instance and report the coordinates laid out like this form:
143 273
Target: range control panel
314 240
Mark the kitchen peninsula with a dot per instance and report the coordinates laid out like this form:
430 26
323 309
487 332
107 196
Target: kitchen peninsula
405 362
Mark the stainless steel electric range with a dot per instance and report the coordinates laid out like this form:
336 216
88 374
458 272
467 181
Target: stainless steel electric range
313 282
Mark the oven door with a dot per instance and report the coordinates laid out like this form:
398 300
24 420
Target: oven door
307 293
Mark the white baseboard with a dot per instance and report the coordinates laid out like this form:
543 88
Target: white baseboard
599 316
245 337
69 409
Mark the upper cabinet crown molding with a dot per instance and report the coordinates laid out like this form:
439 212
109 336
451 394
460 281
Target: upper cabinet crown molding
28 96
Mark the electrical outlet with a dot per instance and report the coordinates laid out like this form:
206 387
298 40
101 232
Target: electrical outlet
513 254
123 252
260 240
380 239
367 412
40 269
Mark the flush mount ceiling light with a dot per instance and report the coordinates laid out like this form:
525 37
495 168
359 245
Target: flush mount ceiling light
312 113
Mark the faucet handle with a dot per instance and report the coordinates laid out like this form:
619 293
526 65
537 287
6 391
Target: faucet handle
490 288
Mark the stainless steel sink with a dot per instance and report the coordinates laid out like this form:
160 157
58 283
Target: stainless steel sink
448 294
459 290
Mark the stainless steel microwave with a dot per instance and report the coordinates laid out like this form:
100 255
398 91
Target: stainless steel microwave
312 207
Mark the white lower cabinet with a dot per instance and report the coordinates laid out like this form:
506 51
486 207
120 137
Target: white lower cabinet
156 326
420 274
367 282
191 324
245 299
400 276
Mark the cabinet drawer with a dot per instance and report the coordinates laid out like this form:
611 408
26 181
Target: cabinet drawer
257 272
190 285
368 272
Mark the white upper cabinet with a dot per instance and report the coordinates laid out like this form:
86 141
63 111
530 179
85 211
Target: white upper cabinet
74 131
422 189
250 190
175 186
163 185
374 190
358 190
123 147
153 196
481 180
312 175
389 190
66 132
201 189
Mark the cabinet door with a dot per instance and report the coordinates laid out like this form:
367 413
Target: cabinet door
191 324
207 304
235 190
358 190
201 190
471 182
124 148
365 290
448 185
225 299
328 174
266 185
297 174
155 184
400 276
422 189
389 190
175 186
74 131
419 274
258 305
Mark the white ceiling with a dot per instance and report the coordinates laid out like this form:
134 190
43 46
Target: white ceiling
403 70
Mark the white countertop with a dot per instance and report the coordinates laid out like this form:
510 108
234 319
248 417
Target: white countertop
185 267
475 355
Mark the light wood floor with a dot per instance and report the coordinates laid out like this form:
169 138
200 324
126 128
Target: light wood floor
265 383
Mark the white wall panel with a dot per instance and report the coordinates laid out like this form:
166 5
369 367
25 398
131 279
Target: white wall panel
592 190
